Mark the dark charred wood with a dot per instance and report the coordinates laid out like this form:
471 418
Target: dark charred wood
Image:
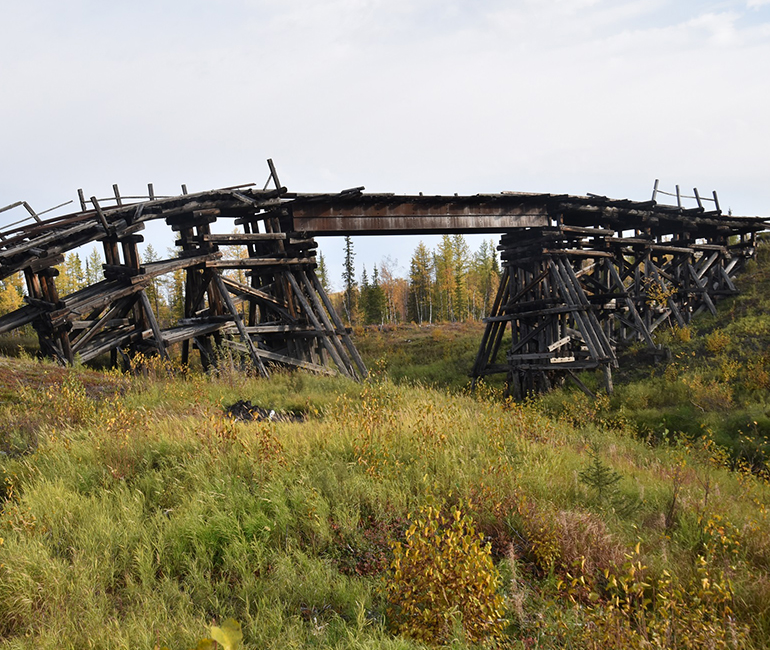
119 270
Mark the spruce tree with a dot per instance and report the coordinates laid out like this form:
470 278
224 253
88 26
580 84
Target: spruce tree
322 273
460 263
420 294
94 263
363 297
377 300
76 278
349 284
153 289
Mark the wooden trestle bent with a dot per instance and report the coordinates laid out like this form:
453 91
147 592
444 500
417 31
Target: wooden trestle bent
279 315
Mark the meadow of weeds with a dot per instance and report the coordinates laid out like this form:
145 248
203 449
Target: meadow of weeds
430 354
135 514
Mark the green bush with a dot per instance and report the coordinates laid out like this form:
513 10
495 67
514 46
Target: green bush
442 577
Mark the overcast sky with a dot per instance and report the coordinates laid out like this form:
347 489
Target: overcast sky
563 96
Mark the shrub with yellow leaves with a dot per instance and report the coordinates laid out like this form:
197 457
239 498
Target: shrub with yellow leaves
442 577
630 608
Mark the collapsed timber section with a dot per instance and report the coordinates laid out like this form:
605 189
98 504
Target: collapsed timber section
573 294
249 297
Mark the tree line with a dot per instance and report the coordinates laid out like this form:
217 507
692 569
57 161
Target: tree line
448 284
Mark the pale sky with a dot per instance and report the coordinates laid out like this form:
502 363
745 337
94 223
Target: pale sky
562 96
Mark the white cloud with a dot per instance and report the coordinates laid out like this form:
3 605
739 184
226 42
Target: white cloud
404 95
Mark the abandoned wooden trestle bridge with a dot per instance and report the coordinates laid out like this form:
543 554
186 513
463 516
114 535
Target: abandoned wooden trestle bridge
581 275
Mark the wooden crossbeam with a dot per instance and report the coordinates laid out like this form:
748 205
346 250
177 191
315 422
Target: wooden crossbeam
256 262
484 357
354 355
701 284
314 319
150 316
284 359
637 319
117 310
262 297
245 338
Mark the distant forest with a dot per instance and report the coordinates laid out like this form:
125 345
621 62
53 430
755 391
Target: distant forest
450 283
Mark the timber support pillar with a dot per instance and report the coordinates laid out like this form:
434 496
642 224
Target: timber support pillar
576 292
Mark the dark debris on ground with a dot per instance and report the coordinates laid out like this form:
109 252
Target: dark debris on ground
245 411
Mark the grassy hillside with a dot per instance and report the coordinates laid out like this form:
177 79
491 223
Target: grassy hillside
439 355
136 513
716 382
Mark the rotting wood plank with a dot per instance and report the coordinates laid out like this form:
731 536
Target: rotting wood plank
523 315
248 343
318 327
602 339
576 309
253 262
156 331
669 301
183 333
112 340
533 333
284 359
727 279
13 250
121 306
155 269
339 325
702 285
317 305
499 328
251 293
280 328
241 238
482 357
705 264
640 327
19 318
78 325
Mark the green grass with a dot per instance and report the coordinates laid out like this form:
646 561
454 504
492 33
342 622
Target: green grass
140 514
439 355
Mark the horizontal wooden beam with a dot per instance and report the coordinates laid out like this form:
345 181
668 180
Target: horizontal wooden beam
272 328
282 359
374 214
234 238
254 262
